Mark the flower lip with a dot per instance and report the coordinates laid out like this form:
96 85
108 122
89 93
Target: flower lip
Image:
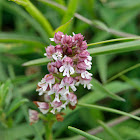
48 77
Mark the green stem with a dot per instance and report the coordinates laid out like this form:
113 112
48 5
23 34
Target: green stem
36 14
48 128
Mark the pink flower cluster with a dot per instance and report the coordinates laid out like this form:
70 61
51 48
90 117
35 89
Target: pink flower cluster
68 69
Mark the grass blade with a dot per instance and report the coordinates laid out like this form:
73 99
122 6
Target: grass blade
36 14
18 38
102 89
40 61
63 27
102 67
113 40
123 72
86 135
15 104
116 48
107 109
72 5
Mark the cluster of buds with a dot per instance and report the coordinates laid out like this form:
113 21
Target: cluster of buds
68 69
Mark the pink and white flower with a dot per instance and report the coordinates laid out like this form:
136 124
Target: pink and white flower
56 106
67 67
70 62
86 75
33 116
50 50
68 82
43 107
46 83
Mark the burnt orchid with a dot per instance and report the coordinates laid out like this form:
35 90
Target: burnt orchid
70 61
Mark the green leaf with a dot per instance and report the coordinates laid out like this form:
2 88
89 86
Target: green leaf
86 135
113 40
36 14
123 72
15 104
116 48
16 48
63 27
72 5
107 109
110 131
40 61
102 67
18 38
4 90
100 88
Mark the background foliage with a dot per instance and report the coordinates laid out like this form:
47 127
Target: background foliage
23 36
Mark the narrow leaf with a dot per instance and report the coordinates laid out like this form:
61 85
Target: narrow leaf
86 135
102 89
107 109
102 67
18 38
15 104
40 61
36 14
113 40
72 5
63 27
116 48
123 72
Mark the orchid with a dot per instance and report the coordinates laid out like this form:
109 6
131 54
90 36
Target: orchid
68 69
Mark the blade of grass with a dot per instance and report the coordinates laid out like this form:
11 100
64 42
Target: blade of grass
110 131
116 48
113 40
102 67
123 72
14 105
40 61
36 14
72 5
100 88
18 38
107 109
86 135
63 27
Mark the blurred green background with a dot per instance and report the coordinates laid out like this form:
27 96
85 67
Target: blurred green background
17 27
